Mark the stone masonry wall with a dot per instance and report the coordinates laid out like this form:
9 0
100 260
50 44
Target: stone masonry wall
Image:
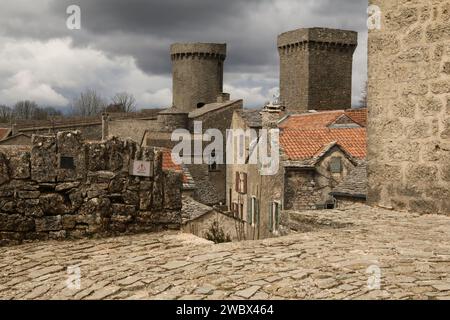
92 131
316 68
66 188
131 128
307 189
197 73
409 106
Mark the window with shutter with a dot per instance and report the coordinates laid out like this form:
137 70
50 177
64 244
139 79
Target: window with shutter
235 209
274 216
244 183
237 182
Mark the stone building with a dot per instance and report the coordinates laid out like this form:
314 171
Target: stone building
198 219
197 98
353 189
318 151
408 99
316 68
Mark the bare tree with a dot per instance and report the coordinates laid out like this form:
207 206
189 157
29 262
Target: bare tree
25 110
124 102
39 114
363 98
89 103
52 112
6 114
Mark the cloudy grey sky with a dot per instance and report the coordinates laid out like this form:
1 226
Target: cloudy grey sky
123 45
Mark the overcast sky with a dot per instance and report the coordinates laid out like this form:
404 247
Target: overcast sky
123 45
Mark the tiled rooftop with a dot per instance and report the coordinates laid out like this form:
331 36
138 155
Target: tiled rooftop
168 164
358 115
303 136
304 144
323 119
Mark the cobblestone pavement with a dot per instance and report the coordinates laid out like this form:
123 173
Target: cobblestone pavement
412 252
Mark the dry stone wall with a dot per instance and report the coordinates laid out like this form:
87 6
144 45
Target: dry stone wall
409 106
64 187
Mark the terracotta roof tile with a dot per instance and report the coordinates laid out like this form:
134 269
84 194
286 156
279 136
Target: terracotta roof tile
315 120
358 115
322 119
4 132
304 144
168 164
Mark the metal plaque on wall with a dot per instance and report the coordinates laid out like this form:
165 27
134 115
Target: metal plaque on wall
141 168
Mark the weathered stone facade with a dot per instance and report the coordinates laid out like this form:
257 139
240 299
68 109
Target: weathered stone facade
409 109
309 188
316 68
199 218
66 188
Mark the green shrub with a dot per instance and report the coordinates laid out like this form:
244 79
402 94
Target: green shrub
215 233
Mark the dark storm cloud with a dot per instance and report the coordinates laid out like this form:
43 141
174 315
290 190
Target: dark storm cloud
145 30
168 18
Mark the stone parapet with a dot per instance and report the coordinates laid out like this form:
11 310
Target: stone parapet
66 188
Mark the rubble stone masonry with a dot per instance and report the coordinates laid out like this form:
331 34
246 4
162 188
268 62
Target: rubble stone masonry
409 106
64 187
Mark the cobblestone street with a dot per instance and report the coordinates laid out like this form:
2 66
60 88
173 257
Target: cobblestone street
412 252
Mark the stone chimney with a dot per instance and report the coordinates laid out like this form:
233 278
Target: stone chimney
271 114
223 97
105 126
14 129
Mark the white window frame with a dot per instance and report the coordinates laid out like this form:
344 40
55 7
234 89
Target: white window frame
253 210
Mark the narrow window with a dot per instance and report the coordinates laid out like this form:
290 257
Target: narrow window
235 209
241 182
274 216
253 211
336 165
241 211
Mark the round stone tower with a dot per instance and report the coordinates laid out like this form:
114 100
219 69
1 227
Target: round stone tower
197 71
